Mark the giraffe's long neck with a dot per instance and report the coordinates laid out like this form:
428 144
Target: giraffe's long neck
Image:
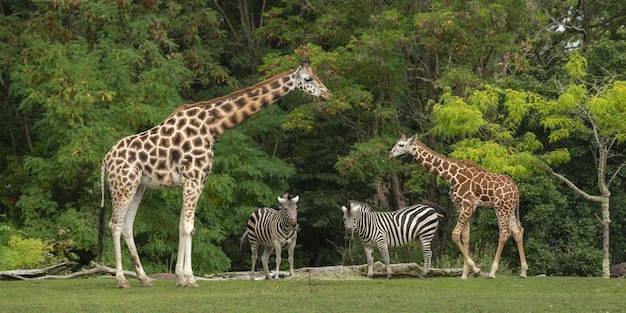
435 163
224 113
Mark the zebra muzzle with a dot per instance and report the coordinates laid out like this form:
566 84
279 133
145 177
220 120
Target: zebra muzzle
349 233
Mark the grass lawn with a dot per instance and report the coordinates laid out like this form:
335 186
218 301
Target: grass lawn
504 294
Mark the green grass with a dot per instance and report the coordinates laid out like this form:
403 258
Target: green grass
504 294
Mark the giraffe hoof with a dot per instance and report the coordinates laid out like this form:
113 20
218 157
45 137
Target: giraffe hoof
491 277
123 285
147 283
193 284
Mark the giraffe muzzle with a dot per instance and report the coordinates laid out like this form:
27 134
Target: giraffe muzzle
326 95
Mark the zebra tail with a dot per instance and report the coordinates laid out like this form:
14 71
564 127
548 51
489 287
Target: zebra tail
244 240
441 211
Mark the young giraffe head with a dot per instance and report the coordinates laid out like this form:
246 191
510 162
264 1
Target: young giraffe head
307 81
403 146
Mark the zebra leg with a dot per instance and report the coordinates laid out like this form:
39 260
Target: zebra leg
290 249
384 253
254 249
369 254
265 258
428 254
279 249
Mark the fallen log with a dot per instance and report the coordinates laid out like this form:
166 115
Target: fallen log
52 272
346 272
322 273
36 273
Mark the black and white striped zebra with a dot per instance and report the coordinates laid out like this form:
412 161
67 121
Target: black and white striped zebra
273 229
391 229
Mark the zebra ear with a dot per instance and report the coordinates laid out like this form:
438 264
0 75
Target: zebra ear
295 199
344 209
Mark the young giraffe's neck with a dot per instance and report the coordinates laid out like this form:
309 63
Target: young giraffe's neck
434 162
224 113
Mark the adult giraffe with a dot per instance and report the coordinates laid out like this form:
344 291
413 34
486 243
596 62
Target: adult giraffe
472 186
179 152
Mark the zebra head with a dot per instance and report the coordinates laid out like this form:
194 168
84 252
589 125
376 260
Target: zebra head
350 215
289 207
403 146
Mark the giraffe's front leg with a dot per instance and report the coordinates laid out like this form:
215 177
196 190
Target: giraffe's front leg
468 263
184 271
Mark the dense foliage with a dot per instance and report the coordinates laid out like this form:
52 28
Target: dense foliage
520 87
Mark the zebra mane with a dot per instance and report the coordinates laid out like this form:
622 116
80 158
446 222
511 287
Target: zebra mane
361 206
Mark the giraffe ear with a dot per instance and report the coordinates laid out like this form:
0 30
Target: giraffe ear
344 209
412 139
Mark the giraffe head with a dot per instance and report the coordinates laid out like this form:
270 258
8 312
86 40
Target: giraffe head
403 146
288 204
307 81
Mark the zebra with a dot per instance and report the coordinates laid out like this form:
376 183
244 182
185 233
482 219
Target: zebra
392 229
273 229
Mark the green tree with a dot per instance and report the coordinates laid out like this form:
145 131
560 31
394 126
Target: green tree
597 114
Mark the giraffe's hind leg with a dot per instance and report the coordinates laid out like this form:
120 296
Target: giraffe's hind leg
518 236
504 227
127 233
125 202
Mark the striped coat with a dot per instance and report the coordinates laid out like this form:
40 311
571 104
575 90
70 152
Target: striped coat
391 229
273 229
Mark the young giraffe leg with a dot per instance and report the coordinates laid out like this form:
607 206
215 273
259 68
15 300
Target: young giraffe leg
518 236
462 227
503 215
465 240
184 272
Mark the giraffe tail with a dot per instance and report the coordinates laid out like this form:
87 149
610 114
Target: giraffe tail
441 211
101 216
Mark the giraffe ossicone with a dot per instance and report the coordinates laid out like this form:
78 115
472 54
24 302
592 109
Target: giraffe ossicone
472 186
179 153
